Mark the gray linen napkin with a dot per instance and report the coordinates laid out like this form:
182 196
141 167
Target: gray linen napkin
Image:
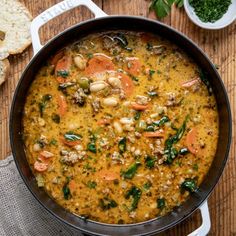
20 213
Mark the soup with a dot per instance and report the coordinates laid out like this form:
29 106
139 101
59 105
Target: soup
120 127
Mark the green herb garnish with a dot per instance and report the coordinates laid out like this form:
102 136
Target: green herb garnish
91 184
53 142
162 7
210 10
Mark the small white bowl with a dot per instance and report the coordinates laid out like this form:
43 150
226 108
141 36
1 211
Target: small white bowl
226 20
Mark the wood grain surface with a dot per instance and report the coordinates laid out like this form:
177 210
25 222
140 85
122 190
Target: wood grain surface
219 45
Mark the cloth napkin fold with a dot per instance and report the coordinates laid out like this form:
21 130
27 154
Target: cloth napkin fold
20 213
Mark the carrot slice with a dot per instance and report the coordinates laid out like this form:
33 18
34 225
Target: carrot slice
72 185
69 143
156 134
104 122
133 66
138 107
62 105
127 84
62 67
191 141
46 154
57 57
99 63
40 166
190 83
108 175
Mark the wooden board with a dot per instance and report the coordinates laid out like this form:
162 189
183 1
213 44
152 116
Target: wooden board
220 45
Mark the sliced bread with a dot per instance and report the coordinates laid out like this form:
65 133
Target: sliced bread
4 70
15 22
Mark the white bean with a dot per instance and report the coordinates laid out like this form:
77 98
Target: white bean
154 115
41 121
36 147
126 121
142 100
114 82
80 62
117 127
126 103
98 86
110 101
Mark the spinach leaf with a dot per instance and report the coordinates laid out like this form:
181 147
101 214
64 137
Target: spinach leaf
107 203
170 152
150 162
43 103
66 189
149 46
136 193
189 185
147 185
121 39
63 87
63 73
203 77
137 115
183 151
71 136
162 121
161 203
129 174
152 94
92 147
122 145
150 128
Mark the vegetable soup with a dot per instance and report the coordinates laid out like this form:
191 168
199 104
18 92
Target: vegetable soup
120 127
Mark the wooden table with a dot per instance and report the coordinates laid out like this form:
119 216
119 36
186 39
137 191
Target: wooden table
220 45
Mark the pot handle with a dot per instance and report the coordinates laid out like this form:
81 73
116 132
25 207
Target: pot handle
55 11
204 229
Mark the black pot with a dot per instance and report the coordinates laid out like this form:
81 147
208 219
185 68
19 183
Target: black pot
122 23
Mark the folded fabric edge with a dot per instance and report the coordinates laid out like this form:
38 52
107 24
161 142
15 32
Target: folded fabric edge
7 161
